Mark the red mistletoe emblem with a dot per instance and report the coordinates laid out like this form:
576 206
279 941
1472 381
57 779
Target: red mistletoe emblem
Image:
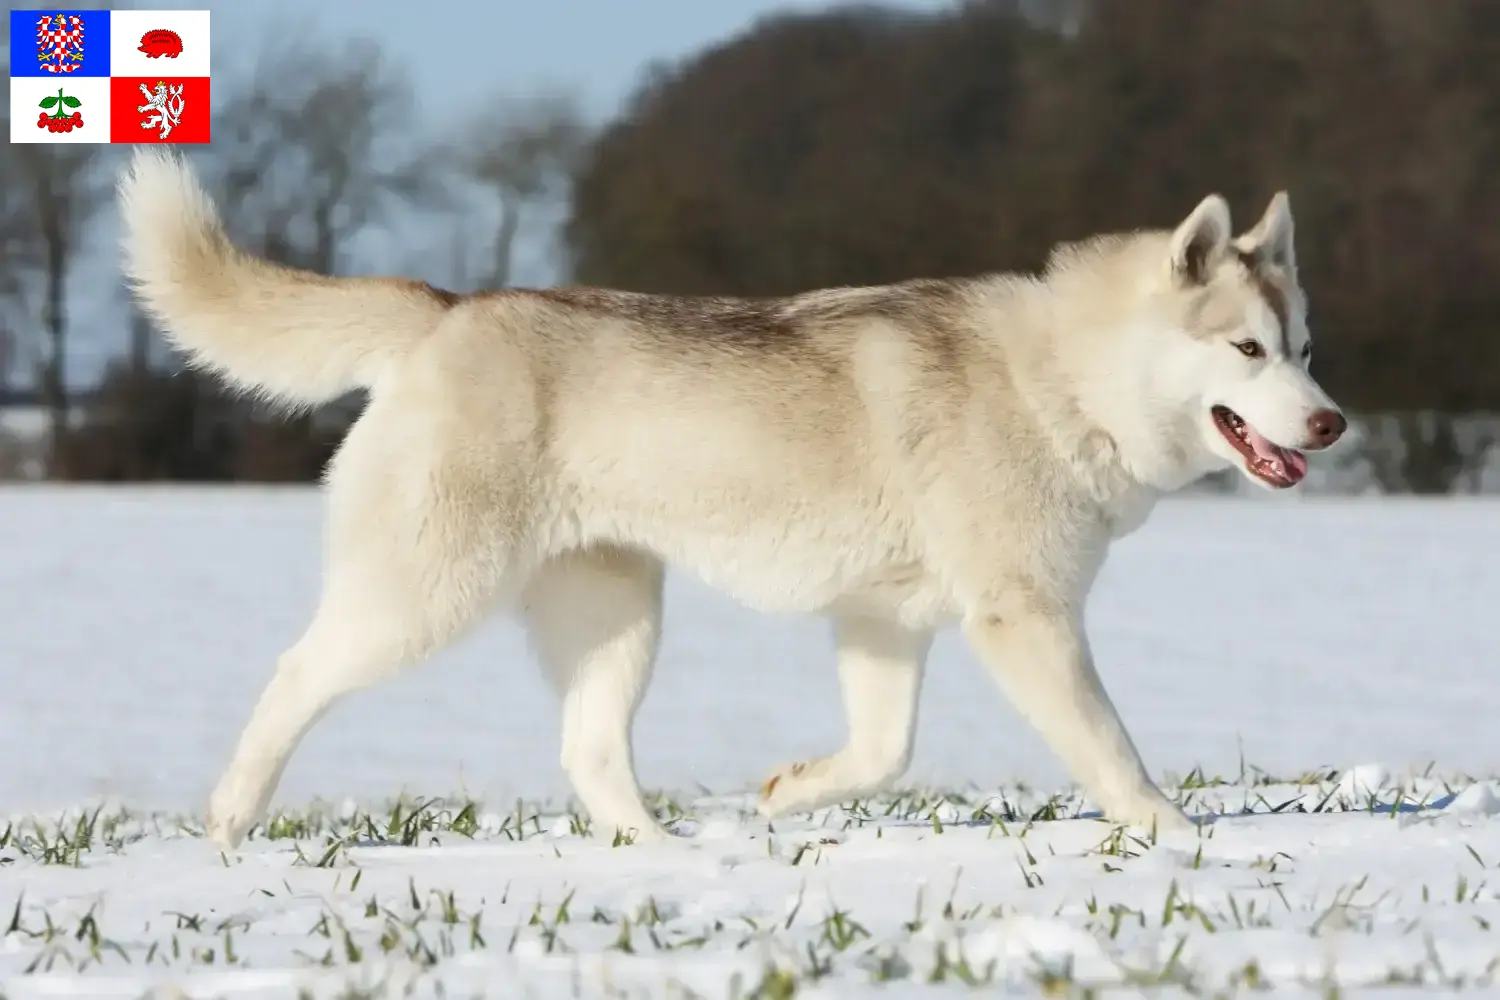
161 42
60 120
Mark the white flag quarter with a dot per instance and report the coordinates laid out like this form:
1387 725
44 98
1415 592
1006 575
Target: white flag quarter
28 93
127 28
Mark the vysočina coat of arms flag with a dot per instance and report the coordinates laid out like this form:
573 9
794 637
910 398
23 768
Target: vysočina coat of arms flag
109 76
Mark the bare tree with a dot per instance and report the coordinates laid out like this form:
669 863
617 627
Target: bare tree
62 189
140 341
14 253
307 159
525 153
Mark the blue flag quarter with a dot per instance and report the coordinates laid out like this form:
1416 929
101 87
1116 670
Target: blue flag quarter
62 44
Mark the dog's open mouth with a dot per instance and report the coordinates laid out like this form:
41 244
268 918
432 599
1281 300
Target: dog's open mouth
1271 464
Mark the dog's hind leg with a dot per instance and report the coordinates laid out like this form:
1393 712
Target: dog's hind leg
346 647
880 672
594 619
412 559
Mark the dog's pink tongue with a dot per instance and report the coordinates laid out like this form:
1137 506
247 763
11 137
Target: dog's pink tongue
1291 464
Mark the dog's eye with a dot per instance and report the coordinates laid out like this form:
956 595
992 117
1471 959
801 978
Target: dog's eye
1307 350
1250 349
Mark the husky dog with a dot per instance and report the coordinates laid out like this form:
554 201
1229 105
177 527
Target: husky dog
894 458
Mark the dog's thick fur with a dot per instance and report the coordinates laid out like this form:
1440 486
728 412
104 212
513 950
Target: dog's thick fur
895 458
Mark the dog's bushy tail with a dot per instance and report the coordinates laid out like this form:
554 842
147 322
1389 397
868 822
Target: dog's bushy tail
278 331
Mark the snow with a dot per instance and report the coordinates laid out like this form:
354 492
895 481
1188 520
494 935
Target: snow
1319 672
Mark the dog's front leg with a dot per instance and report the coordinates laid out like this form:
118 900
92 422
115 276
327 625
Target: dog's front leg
1041 659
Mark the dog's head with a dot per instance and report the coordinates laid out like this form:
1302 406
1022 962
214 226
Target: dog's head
1242 351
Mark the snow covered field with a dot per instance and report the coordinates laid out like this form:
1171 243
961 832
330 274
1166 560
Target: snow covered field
1259 650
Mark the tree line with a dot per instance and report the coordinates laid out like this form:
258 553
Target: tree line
868 144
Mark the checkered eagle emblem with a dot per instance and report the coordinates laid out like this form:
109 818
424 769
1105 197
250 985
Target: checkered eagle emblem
59 42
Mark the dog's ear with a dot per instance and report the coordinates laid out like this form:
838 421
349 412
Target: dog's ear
1272 238
1199 242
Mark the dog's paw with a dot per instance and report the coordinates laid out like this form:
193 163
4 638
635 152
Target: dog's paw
232 811
227 828
1173 820
1163 817
785 790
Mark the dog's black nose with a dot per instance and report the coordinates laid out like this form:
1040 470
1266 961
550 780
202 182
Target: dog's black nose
1326 427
